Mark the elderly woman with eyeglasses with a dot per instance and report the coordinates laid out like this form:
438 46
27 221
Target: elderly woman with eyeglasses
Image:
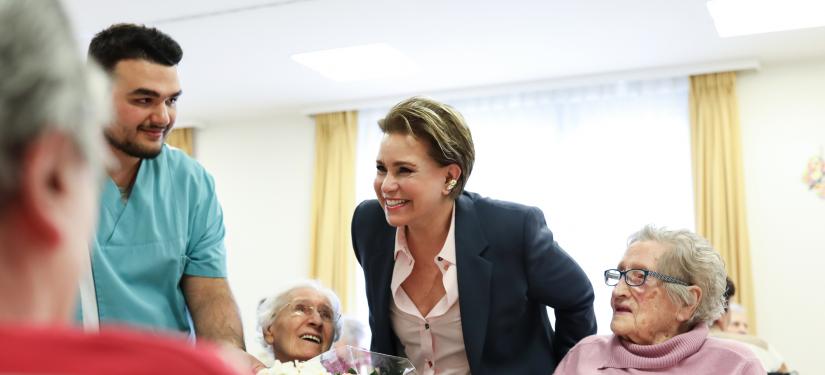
301 322
667 289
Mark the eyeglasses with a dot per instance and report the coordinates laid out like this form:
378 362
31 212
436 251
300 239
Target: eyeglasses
305 308
637 277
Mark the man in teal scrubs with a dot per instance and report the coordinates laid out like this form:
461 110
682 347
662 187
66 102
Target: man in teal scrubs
159 256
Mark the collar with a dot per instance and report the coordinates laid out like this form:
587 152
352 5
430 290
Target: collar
662 355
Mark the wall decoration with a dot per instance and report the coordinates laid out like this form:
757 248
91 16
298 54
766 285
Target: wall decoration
814 176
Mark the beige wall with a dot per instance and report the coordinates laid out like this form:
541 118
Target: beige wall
263 172
783 124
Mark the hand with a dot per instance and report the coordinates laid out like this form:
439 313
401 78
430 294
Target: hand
240 360
253 363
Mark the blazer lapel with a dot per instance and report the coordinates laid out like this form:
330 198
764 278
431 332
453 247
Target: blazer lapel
474 274
383 264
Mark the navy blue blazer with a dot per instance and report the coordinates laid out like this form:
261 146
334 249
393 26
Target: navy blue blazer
509 270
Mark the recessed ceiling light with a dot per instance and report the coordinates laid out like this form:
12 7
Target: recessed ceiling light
744 17
358 63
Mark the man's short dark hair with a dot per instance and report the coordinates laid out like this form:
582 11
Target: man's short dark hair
126 41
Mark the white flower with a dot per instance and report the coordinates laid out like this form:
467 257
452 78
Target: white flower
295 368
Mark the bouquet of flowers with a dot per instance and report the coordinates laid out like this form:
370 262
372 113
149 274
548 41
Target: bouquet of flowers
352 360
311 367
343 361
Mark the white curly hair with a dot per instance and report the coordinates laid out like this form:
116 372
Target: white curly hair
267 308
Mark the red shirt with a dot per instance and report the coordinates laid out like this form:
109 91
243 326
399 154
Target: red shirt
60 350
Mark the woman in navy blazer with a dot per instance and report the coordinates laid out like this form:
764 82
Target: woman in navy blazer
507 267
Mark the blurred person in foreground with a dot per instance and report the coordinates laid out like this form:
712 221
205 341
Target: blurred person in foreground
457 282
52 106
159 256
300 322
668 289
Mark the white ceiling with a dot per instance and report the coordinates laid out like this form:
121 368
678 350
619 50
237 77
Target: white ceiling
239 60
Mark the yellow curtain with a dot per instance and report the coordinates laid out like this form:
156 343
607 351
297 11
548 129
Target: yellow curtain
718 179
333 200
182 138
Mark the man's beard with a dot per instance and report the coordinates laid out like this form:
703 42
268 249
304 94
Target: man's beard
133 149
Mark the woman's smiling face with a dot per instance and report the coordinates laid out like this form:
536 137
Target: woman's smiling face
411 186
303 328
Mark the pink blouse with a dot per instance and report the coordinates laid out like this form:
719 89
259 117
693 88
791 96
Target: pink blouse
434 343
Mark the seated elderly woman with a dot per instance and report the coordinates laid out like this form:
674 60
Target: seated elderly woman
672 290
301 322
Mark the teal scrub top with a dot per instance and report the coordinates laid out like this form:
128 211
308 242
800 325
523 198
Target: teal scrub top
170 226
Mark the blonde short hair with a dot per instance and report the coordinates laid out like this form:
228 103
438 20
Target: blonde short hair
442 127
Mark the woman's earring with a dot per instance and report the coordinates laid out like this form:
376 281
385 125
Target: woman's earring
451 184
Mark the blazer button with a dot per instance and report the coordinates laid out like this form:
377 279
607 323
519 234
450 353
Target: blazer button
426 325
430 364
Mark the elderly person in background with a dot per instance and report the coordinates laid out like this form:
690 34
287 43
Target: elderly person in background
728 327
353 333
672 291
738 321
301 322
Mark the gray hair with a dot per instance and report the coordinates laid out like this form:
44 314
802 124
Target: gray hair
268 307
737 308
691 258
45 86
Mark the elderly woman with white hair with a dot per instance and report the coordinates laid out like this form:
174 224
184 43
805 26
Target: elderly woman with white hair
300 322
672 291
